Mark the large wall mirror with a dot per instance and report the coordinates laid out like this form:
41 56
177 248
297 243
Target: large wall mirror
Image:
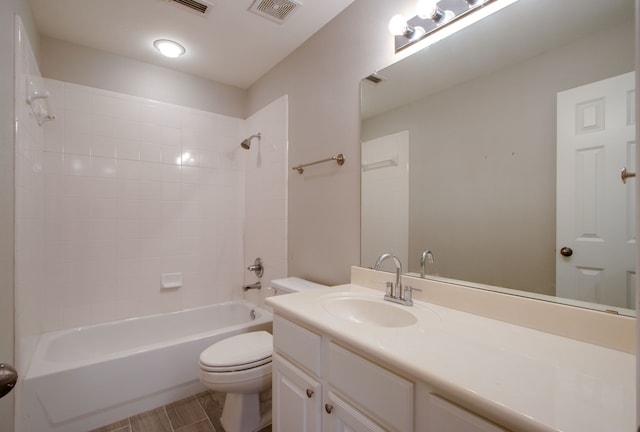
499 149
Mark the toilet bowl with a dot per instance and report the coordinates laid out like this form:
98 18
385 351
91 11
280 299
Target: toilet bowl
240 366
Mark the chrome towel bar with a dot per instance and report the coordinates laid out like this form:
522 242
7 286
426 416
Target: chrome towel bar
338 158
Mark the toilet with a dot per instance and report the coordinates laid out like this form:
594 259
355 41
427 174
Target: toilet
240 366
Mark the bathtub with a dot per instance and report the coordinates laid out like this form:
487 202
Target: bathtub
87 377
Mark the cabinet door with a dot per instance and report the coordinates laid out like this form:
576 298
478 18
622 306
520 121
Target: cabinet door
443 416
340 416
297 399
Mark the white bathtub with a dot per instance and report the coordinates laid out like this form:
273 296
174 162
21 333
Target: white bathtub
84 378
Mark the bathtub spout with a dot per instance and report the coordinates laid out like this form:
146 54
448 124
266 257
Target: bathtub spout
256 285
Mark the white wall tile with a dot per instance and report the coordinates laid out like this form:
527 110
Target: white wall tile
265 228
150 209
125 203
150 171
103 146
78 121
171 173
127 149
151 133
103 167
103 125
150 151
77 165
78 143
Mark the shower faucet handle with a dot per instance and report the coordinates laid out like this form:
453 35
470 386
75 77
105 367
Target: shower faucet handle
257 267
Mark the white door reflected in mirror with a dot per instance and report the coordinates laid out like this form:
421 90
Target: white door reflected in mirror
595 210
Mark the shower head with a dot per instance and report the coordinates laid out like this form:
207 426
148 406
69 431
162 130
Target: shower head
246 144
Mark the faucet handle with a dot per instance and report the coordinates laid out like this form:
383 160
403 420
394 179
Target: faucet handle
408 291
389 289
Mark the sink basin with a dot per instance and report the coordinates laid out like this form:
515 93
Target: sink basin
372 311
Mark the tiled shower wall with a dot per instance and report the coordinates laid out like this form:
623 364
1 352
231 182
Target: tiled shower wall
132 189
266 169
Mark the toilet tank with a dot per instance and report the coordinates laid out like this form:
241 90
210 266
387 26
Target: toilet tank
293 285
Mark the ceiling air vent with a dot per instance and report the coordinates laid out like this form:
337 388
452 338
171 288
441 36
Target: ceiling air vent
275 10
197 7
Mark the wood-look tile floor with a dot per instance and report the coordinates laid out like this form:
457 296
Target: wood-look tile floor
199 413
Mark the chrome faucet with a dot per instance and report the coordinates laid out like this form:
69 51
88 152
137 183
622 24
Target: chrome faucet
396 293
425 256
392 291
256 285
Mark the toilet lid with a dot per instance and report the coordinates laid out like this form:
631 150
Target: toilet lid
238 352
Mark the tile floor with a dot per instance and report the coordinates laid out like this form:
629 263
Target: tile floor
199 413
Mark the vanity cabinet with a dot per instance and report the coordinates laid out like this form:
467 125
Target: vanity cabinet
297 398
320 386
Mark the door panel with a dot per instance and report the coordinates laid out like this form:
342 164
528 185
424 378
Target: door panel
595 210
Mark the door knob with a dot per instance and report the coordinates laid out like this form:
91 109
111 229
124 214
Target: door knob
566 251
624 175
309 393
8 378
328 408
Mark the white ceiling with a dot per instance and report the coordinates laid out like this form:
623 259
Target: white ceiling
229 44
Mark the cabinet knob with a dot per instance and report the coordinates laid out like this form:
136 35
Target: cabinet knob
309 393
328 408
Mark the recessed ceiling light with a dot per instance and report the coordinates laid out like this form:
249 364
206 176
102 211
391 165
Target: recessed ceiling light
169 48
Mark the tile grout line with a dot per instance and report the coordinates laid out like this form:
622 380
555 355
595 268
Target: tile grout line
164 409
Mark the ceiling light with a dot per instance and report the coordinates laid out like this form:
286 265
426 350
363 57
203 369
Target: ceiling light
169 48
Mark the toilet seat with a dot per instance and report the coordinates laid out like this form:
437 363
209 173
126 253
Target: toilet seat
238 353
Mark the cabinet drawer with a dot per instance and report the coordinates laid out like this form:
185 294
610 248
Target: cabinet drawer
298 344
386 397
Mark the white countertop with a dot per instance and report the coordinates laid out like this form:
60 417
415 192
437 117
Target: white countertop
523 378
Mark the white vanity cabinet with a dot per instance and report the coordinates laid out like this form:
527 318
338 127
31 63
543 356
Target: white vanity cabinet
297 398
320 386
297 389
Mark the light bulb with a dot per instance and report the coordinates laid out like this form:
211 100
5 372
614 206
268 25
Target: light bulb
398 25
418 33
428 9
169 48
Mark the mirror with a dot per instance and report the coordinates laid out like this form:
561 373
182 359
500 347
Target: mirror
459 153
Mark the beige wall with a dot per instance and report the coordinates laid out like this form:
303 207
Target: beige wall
69 62
322 81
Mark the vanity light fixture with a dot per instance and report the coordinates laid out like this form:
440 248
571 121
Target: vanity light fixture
434 15
398 26
169 48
